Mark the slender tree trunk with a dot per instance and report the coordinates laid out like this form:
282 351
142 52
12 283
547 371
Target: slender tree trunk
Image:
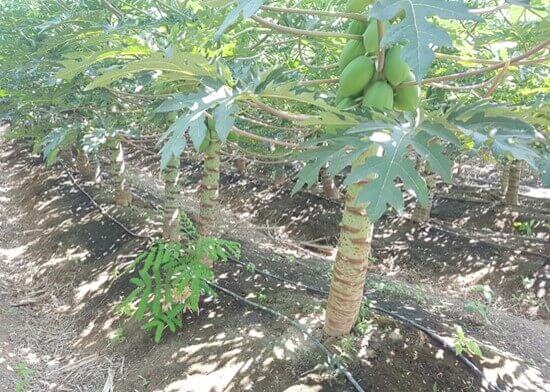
210 186
350 267
512 193
422 214
504 179
329 188
241 165
123 197
84 166
171 230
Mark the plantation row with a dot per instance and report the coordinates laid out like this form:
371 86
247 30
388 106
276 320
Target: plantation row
385 97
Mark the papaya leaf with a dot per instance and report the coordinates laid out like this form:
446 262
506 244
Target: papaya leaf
192 121
73 64
433 153
197 131
544 169
419 36
224 115
393 164
291 92
53 142
495 127
439 130
245 7
189 66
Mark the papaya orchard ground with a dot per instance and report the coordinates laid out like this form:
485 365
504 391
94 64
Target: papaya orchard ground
70 336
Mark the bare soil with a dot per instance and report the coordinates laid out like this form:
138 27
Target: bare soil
57 249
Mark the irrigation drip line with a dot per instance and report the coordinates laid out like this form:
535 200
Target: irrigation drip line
297 325
442 228
100 208
431 334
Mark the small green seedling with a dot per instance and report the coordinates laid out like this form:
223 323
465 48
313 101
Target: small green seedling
463 344
23 372
525 228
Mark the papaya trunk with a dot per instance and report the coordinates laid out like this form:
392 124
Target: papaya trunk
210 186
241 165
422 214
512 193
350 267
123 197
329 188
171 229
504 179
84 166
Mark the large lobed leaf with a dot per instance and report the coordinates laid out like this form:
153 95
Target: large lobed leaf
189 66
195 105
495 127
420 37
245 7
392 141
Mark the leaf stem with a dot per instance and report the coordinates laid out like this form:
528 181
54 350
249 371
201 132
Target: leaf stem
347 15
302 33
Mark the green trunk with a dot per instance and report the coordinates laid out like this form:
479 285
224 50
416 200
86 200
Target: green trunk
504 179
327 182
420 213
241 165
350 267
512 193
85 168
171 230
210 186
123 197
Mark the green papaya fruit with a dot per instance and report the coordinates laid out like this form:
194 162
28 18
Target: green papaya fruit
345 103
379 95
370 37
407 98
357 27
395 69
357 6
352 50
356 76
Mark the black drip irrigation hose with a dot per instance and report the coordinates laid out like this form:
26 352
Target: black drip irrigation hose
99 208
297 325
431 334
317 342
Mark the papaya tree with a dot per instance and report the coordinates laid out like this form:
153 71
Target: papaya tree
390 50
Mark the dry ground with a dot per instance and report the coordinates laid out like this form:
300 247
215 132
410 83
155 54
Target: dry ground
67 260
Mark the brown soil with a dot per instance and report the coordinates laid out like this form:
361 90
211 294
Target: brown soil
52 239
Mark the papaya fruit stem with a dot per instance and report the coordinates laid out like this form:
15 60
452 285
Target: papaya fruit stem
381 51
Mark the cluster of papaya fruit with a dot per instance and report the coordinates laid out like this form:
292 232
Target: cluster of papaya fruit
358 75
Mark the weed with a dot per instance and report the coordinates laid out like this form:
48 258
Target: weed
23 372
250 267
364 323
346 349
419 294
261 297
464 344
525 228
118 336
478 307
389 289
171 280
